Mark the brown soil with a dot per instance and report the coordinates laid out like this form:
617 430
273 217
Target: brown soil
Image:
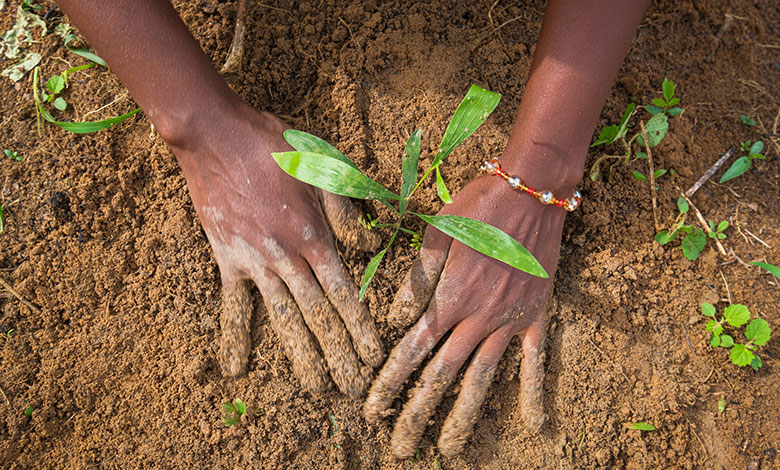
121 364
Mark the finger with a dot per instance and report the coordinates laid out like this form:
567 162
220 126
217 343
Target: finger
437 377
532 377
420 282
234 323
323 320
344 218
298 343
474 387
343 294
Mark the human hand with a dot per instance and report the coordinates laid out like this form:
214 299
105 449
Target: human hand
270 229
484 303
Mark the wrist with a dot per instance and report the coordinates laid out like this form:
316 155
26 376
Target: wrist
545 166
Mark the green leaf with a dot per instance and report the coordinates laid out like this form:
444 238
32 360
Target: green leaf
708 309
726 341
723 225
659 173
29 411
305 142
638 176
488 240
682 205
717 329
715 341
663 237
232 414
441 188
756 362
673 101
693 244
332 175
747 120
607 136
623 126
740 166
674 111
654 110
371 270
736 314
85 53
240 406
60 103
769 267
642 426
410 162
721 405
56 84
668 88
641 155
471 113
758 331
740 355
710 326
656 129
659 102
756 147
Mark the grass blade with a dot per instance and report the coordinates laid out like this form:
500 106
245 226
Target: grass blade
409 167
85 53
488 240
471 113
304 142
441 188
769 267
370 271
332 175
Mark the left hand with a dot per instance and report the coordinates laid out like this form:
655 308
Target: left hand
483 303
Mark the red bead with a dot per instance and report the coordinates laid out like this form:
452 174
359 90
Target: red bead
560 203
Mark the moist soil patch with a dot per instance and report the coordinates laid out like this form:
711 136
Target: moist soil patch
118 360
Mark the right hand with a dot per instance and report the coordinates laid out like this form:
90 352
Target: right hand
268 228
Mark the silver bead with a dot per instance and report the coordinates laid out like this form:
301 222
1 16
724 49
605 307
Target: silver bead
547 197
490 168
513 181
577 195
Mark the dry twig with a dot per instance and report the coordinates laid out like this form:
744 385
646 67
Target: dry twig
19 296
652 177
706 176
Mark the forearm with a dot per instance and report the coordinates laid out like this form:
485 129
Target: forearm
580 49
154 55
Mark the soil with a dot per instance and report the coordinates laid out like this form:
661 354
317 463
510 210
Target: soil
120 362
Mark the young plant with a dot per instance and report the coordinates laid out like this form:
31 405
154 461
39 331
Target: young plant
743 163
29 411
642 426
717 232
757 333
747 120
13 155
695 240
656 129
232 412
318 163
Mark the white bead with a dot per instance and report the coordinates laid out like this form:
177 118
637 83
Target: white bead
514 181
546 197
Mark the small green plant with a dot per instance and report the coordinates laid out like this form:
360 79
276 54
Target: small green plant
747 120
695 239
318 163
29 411
232 412
13 155
28 5
743 163
757 333
656 128
721 405
642 426
717 232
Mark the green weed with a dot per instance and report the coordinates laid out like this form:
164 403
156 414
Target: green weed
13 155
318 163
695 239
743 163
747 120
232 412
717 232
721 405
769 267
29 411
642 426
757 333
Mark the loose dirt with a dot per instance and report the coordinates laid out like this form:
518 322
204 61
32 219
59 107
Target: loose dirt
121 364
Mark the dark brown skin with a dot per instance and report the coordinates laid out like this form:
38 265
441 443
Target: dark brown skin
268 228
482 302
263 226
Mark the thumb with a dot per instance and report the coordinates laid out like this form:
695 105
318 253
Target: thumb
343 218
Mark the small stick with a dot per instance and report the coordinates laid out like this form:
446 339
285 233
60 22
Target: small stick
685 330
19 296
760 240
709 375
706 176
6 398
236 54
652 177
728 291
703 222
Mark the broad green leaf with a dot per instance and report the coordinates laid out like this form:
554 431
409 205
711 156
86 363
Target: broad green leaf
715 341
656 129
708 309
758 331
441 188
60 103
740 355
740 166
659 173
623 126
642 426
410 162
723 225
332 175
756 362
717 329
668 88
371 270
710 326
663 237
693 244
659 102
769 267
305 142
85 53
673 101
638 176
654 110
736 314
56 84
607 136
721 405
471 113
726 341
682 205
240 406
488 240
641 155
674 111
756 147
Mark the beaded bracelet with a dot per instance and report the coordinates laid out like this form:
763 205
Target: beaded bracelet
492 167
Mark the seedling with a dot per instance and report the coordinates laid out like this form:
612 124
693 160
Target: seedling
639 176
642 426
757 333
747 120
29 411
13 155
695 239
656 129
318 163
743 163
717 232
721 405
232 412
28 5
